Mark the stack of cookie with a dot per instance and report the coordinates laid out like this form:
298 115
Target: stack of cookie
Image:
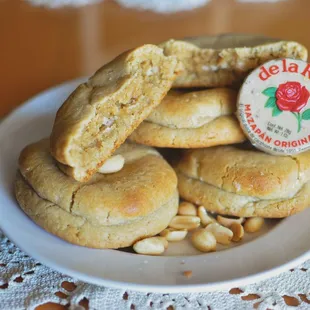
191 118
229 180
89 186
85 184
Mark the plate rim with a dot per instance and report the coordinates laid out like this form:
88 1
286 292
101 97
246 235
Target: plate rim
160 288
184 288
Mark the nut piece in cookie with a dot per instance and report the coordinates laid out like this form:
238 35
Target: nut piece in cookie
213 61
101 113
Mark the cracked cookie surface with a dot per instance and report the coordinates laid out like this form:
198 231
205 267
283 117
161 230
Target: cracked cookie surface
233 181
224 60
101 113
108 211
192 119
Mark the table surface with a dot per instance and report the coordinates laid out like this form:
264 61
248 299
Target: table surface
43 47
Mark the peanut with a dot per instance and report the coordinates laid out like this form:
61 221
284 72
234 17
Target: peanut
221 233
187 208
112 165
203 240
238 231
151 246
253 224
227 221
204 216
173 235
187 222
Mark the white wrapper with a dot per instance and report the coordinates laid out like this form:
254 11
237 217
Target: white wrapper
273 107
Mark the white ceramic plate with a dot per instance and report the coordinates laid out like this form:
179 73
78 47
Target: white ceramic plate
279 246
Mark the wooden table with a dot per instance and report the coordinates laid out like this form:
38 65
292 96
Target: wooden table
41 47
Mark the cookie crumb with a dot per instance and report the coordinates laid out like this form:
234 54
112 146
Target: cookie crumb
187 273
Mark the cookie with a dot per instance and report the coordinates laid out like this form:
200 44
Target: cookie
108 211
225 60
192 119
101 113
238 182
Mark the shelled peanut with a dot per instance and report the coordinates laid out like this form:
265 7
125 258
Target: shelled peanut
173 235
203 240
151 246
253 224
206 230
187 208
187 222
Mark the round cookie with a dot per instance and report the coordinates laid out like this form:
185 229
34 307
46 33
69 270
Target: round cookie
225 60
193 119
233 181
108 211
100 114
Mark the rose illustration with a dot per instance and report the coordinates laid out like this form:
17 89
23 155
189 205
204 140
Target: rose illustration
289 96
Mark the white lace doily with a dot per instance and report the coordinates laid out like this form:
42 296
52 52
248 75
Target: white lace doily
25 284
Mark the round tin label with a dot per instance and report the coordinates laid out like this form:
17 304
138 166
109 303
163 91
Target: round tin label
273 107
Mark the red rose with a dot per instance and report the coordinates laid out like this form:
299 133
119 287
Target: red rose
291 96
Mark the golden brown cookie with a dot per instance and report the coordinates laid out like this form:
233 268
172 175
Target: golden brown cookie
215 61
192 119
233 181
108 211
100 114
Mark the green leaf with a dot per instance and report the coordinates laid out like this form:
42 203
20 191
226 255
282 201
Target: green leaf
306 115
270 91
271 102
276 111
